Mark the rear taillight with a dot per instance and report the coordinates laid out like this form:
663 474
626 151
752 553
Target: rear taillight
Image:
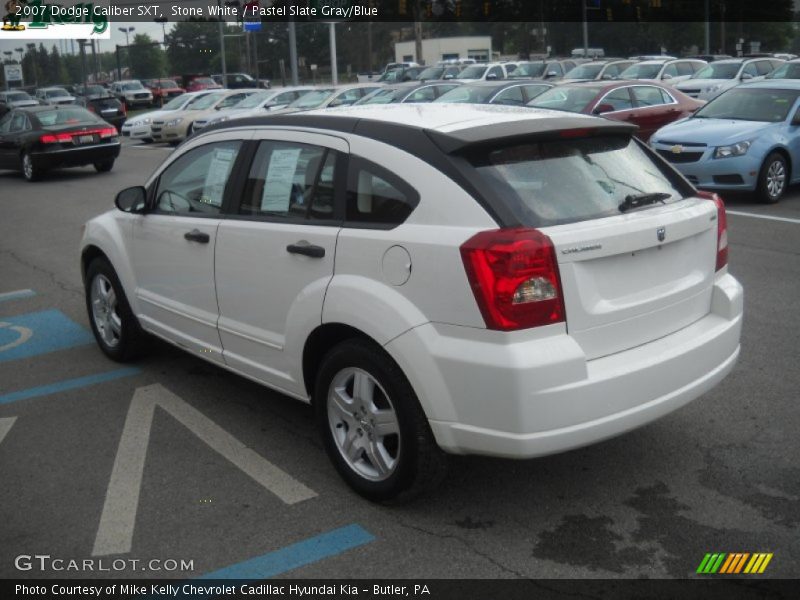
722 228
55 138
106 132
514 276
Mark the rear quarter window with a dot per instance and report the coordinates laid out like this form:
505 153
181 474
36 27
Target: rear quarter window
554 182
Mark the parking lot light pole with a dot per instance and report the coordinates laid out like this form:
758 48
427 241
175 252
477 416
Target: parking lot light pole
222 45
293 52
334 67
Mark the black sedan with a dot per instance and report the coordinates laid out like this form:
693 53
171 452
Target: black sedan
35 139
106 106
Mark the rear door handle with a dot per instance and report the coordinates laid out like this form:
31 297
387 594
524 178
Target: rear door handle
195 235
306 250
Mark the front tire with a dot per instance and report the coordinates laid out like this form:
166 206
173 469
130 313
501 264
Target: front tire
773 179
29 170
374 430
114 325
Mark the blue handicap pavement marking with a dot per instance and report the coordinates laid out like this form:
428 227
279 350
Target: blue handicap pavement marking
297 555
41 332
67 384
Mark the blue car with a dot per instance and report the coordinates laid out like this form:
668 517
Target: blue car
745 139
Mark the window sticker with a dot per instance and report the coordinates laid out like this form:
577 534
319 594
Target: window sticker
280 177
217 176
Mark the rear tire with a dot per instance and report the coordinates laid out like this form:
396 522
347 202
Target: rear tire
374 430
104 166
29 171
772 179
113 323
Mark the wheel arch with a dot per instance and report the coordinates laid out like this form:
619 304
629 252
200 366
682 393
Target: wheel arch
786 156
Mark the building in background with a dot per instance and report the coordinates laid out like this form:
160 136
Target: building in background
451 48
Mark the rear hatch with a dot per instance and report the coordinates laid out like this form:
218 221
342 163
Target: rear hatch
636 249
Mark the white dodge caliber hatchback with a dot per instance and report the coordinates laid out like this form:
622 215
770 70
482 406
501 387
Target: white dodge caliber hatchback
432 278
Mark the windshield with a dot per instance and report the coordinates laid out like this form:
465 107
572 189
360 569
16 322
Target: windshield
175 103
53 119
56 93
474 72
166 84
470 94
312 99
786 71
254 100
204 102
431 73
132 86
386 96
584 72
556 182
718 71
94 90
529 70
641 71
571 99
750 104
18 96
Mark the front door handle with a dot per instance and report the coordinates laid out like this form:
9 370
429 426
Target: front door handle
306 250
195 235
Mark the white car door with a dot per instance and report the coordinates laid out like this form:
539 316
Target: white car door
174 244
275 254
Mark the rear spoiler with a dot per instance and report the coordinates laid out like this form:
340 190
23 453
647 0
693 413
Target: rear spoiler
528 130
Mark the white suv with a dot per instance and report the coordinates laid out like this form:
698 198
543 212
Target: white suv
487 280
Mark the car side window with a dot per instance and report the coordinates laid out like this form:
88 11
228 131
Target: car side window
426 94
684 68
346 98
376 196
195 183
750 69
671 69
555 67
284 98
17 123
442 89
647 95
611 71
619 98
292 181
511 96
763 67
5 122
497 72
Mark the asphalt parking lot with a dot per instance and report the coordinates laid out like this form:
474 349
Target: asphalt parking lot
236 480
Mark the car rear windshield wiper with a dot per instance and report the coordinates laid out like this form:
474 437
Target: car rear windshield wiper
638 200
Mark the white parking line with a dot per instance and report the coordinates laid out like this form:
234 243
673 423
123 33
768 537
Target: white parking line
757 216
117 522
5 426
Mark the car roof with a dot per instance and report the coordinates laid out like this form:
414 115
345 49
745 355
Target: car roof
774 84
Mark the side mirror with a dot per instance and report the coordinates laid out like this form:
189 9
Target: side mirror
552 74
449 76
131 200
491 76
746 76
666 76
603 108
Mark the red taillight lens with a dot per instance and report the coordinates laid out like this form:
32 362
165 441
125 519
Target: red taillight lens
106 132
55 138
722 228
514 276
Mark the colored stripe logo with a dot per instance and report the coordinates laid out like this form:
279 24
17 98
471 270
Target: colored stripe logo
734 563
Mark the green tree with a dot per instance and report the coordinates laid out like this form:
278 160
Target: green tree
145 57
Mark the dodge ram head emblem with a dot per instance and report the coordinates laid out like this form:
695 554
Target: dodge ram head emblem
661 233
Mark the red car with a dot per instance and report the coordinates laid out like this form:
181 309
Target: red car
648 105
196 84
163 90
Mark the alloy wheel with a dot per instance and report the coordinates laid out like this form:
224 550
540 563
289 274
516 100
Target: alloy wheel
776 179
104 311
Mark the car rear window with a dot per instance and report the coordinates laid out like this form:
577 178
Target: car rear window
553 182
66 116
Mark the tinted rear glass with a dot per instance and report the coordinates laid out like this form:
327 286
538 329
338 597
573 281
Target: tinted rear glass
556 182
718 71
54 119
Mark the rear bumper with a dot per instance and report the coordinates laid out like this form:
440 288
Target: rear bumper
75 157
539 396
